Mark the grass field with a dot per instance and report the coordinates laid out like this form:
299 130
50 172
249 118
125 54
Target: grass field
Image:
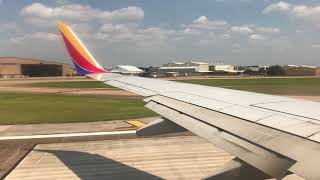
16 108
72 84
278 86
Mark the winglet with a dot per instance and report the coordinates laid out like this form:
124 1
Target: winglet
84 62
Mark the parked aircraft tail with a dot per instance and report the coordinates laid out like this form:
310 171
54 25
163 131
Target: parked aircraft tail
83 61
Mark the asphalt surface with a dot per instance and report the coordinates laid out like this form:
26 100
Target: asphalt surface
176 157
34 129
13 151
117 156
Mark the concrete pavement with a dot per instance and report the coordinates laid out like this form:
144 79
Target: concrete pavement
181 157
84 127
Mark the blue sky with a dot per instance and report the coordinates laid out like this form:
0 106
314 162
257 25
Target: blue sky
150 32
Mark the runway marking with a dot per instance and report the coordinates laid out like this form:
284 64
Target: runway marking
136 123
66 135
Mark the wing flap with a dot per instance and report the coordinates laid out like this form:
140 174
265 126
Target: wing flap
315 137
278 142
268 162
246 113
304 109
291 125
297 125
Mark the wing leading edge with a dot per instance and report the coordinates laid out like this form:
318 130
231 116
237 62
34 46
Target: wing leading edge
268 141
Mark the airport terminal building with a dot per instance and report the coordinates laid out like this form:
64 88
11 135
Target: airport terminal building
20 67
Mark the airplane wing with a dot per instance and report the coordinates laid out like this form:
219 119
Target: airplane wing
271 136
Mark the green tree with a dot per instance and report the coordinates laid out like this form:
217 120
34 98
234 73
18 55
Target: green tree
276 70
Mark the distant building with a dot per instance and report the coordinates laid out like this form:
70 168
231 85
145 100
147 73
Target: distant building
183 69
127 70
303 70
255 70
20 67
194 66
223 67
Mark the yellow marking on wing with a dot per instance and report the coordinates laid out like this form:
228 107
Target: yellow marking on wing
136 123
68 34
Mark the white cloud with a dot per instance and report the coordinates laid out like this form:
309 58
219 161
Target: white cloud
315 46
226 36
138 36
268 30
40 13
44 36
204 28
204 23
119 32
296 10
8 26
310 13
241 29
304 11
236 46
201 20
258 37
280 6
241 1
82 27
63 1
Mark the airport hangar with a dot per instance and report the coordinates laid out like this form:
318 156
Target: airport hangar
21 67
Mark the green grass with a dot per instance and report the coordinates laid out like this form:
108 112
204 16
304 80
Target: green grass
71 84
277 86
22 108
16 108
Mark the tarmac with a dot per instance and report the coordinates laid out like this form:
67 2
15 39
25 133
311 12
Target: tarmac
79 151
59 128
181 157
16 141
